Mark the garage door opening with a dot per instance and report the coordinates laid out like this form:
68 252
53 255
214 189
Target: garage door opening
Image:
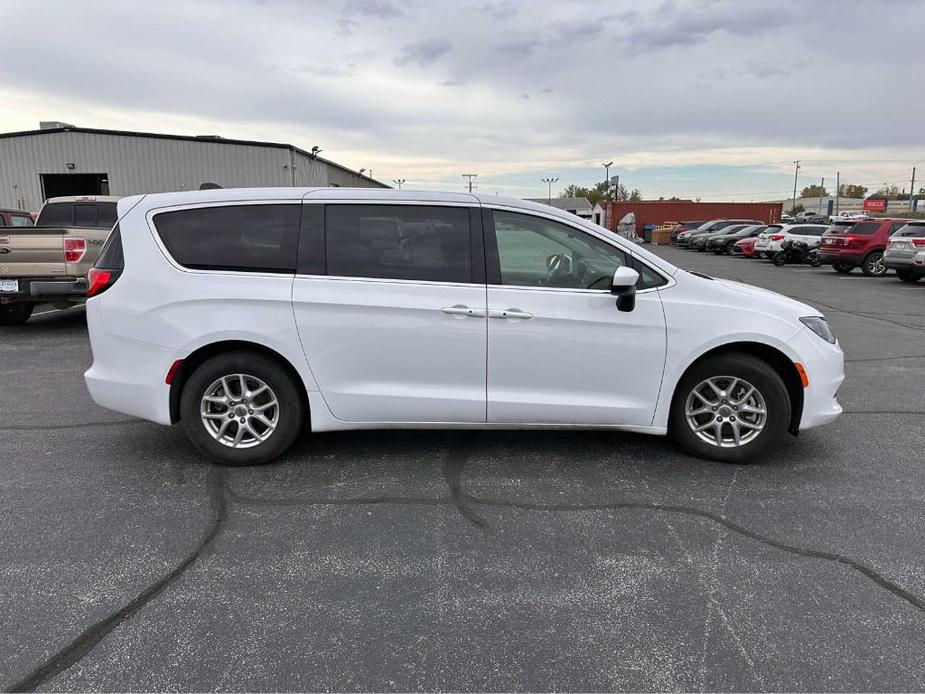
56 185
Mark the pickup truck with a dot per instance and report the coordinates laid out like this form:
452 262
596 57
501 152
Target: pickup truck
811 218
849 215
49 262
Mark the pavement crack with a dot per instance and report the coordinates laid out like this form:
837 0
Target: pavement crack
78 425
96 632
453 465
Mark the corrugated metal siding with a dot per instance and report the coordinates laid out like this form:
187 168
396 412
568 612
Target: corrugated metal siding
660 211
153 165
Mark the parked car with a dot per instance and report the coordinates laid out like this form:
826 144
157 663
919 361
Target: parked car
11 217
787 219
711 226
811 218
684 226
849 215
906 244
769 240
723 242
862 244
245 314
50 261
745 247
698 242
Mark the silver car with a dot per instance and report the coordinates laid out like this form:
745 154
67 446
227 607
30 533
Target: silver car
907 244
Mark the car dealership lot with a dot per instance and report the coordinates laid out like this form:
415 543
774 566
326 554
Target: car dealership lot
470 560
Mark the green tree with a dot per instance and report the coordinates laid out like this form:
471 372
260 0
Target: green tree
814 191
574 191
796 210
850 190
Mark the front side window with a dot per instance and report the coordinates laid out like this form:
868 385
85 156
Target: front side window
406 242
250 238
537 252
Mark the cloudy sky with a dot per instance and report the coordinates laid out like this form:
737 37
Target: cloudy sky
699 98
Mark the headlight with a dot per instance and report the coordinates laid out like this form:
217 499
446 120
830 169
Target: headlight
820 326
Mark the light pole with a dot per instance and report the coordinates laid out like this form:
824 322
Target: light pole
796 173
549 182
607 176
399 182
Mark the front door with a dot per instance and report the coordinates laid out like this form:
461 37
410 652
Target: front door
392 318
559 351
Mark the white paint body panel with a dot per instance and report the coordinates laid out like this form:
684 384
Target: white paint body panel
382 353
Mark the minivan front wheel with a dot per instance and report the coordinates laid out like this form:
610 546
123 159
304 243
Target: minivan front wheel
241 408
729 408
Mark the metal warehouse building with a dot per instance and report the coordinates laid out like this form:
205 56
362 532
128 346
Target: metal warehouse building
61 159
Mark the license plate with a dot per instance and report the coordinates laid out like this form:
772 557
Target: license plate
9 285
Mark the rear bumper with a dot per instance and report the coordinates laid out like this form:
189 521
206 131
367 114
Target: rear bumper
902 263
46 289
830 258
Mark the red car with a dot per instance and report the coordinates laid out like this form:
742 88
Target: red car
744 247
847 246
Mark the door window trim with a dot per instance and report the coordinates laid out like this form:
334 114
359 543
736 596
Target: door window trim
493 261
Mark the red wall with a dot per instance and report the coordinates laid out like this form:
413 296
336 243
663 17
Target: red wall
659 211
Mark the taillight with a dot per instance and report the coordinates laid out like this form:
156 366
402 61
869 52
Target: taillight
854 241
777 237
919 242
100 280
74 249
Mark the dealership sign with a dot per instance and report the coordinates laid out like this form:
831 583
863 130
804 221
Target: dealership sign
875 205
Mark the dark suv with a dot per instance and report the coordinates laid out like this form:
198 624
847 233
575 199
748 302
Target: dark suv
847 246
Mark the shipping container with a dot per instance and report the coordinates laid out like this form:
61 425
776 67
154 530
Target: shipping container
658 212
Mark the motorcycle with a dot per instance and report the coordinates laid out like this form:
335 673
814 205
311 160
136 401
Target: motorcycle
797 252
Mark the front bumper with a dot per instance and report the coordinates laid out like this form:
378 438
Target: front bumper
825 370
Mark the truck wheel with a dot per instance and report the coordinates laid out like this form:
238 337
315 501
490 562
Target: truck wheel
15 314
843 269
729 408
908 276
873 265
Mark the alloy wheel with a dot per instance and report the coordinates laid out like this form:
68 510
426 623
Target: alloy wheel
239 411
726 411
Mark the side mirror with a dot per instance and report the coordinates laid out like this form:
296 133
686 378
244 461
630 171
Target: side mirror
624 287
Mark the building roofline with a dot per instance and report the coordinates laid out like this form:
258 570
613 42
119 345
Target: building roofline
186 138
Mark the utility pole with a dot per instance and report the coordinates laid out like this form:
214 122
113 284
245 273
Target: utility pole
912 192
471 177
821 188
837 190
399 182
549 182
796 173
607 176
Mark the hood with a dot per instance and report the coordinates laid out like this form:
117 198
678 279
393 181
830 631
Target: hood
776 303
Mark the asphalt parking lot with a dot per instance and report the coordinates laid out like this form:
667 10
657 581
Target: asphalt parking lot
470 561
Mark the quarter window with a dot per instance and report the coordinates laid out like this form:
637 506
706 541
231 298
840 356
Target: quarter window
537 252
251 238
408 242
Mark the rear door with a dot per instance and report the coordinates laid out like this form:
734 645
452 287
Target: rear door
390 304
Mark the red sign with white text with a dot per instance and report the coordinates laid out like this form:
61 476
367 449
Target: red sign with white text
875 205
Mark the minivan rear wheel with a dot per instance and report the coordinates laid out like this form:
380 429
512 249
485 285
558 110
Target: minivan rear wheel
241 408
729 408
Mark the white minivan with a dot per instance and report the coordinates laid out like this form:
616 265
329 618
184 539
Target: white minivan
247 315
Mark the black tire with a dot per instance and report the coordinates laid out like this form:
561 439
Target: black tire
908 276
15 314
779 259
742 366
842 269
873 265
291 409
815 261
727 249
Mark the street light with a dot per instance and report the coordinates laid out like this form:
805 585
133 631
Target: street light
607 176
399 182
549 182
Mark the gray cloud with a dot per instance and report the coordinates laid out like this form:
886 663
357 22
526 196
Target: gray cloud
423 53
383 9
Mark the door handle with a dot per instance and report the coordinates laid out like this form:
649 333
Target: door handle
509 313
461 310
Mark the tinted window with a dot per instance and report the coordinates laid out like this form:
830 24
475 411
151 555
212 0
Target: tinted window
808 231
256 238
111 257
408 242
106 214
865 228
537 252
85 215
56 214
915 230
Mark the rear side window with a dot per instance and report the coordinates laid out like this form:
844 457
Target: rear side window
248 238
914 230
408 242
808 231
111 257
865 228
